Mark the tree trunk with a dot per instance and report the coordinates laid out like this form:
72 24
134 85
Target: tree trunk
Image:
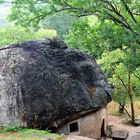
131 97
121 108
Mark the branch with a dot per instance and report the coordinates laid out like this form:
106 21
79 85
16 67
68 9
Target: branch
125 110
86 14
121 17
69 9
129 11
119 78
38 18
115 5
118 21
136 14
136 75
82 12
122 82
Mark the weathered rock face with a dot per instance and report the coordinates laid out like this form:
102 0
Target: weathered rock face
44 85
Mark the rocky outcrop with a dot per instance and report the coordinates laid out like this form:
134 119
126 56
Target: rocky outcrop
43 84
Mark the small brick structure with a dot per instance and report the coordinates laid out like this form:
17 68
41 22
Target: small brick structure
92 125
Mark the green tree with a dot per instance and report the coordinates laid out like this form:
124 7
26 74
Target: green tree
121 15
123 79
86 36
15 34
61 22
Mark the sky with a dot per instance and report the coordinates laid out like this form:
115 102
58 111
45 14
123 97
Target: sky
4 11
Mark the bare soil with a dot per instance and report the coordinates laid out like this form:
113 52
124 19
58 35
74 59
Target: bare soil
120 123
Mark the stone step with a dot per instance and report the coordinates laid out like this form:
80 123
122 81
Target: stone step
119 134
72 137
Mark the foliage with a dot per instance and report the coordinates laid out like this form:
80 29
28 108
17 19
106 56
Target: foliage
4 129
119 74
122 12
1 1
118 27
86 36
14 34
61 22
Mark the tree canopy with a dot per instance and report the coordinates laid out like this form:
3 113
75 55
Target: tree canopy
118 27
17 34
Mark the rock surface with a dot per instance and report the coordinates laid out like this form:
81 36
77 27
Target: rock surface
43 82
119 134
72 137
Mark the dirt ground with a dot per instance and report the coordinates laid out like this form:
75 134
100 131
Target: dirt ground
120 123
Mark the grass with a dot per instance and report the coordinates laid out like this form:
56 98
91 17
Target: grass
15 133
113 107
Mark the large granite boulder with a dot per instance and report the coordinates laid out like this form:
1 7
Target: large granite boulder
43 84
